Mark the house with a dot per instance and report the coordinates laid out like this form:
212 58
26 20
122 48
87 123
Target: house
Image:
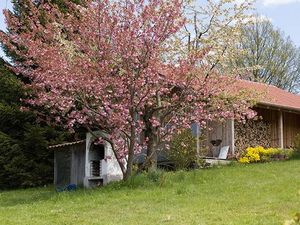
277 108
85 163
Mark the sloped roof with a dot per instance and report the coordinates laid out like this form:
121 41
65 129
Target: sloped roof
66 144
271 95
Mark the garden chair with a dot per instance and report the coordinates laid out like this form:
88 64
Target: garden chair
221 159
222 154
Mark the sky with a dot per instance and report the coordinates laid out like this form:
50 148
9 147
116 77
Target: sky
284 14
3 5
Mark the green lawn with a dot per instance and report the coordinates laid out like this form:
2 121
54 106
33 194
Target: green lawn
252 194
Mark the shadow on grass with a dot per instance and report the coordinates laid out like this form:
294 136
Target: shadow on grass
25 196
295 156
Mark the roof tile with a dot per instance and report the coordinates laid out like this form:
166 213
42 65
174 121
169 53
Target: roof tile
272 95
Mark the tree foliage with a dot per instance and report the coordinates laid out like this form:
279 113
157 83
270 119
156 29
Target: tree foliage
214 26
25 160
105 67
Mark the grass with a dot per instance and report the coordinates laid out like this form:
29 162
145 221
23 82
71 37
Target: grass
240 194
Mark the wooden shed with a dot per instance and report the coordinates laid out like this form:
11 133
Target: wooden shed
69 163
85 163
277 108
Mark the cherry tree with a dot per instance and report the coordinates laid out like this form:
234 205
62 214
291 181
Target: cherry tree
105 67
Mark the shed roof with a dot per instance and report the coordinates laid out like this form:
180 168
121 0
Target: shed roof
66 144
272 96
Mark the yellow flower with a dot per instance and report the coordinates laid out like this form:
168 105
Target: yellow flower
244 160
260 153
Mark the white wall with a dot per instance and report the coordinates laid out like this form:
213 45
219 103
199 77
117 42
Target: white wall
110 168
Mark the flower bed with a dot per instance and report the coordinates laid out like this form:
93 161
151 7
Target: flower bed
261 154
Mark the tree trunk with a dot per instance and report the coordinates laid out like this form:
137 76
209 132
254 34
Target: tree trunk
152 153
130 153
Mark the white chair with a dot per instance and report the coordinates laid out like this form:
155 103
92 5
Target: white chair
221 159
222 154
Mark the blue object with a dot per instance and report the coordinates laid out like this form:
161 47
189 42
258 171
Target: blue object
195 129
69 187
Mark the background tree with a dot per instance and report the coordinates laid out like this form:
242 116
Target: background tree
214 27
22 12
271 56
25 160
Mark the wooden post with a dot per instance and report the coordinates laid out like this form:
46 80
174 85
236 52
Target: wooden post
55 169
280 129
232 136
198 141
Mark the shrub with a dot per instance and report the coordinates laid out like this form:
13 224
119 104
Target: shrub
183 149
297 142
261 154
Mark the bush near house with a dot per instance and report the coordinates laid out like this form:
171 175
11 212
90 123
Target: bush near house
261 154
297 143
296 146
183 150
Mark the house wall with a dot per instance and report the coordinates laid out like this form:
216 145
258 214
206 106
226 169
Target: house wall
110 168
112 171
291 125
62 168
271 117
69 165
223 131
78 164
